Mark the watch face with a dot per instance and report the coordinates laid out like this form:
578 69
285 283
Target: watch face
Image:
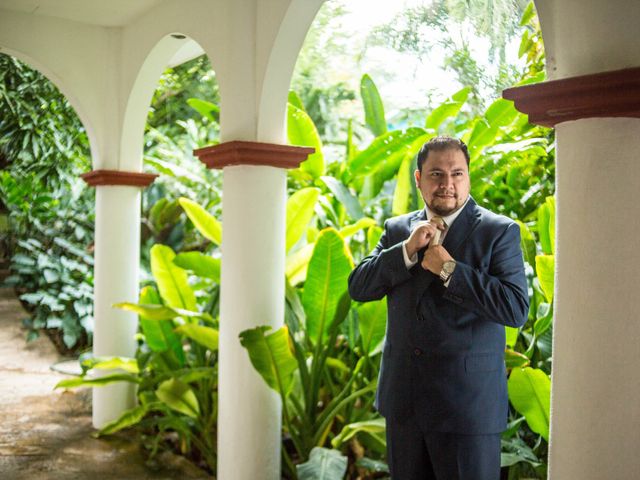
449 266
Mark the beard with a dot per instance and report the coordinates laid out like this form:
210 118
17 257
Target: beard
444 206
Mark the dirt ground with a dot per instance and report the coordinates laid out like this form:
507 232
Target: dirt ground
46 433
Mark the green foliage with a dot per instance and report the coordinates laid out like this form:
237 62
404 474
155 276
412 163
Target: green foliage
49 235
307 362
324 363
326 285
425 30
323 464
512 173
530 393
176 363
301 131
271 356
373 107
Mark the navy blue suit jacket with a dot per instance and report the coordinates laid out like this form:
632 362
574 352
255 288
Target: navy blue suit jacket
443 358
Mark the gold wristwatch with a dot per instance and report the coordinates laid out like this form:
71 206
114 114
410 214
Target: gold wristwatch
447 270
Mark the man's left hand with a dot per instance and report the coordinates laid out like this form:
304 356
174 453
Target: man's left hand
434 258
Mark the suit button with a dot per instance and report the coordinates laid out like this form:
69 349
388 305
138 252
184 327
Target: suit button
417 352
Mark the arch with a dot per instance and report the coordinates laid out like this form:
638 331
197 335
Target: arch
280 64
172 48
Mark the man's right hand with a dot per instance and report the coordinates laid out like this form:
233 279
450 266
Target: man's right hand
421 236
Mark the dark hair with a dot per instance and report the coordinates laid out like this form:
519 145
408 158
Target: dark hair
439 144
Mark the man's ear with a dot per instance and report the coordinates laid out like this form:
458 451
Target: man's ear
416 174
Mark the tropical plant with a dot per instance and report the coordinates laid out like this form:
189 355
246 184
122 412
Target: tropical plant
175 368
326 378
525 443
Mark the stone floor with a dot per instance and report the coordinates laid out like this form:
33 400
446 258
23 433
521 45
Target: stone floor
45 434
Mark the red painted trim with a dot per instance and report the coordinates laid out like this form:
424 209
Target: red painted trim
252 153
606 94
118 177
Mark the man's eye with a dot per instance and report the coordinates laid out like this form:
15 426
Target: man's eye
435 174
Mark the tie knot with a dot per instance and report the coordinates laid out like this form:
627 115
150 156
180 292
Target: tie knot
439 220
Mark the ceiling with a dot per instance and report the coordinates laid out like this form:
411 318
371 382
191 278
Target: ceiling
108 13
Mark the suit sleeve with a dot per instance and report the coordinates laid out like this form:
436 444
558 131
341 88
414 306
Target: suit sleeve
380 271
501 293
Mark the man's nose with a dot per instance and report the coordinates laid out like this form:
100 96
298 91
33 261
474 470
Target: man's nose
446 181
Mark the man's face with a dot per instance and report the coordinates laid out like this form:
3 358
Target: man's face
444 181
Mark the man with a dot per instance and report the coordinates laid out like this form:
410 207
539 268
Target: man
442 386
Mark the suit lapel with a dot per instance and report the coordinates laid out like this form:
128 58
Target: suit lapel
464 225
418 216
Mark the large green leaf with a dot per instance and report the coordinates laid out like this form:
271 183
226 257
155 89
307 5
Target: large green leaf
530 394
326 283
390 148
372 322
160 312
448 109
171 280
375 426
515 359
209 110
344 196
546 225
159 334
128 418
129 365
295 100
300 207
511 335
401 200
500 113
205 336
373 106
545 267
297 264
200 264
206 223
152 313
302 131
97 381
323 464
179 396
544 319
361 224
271 356
527 243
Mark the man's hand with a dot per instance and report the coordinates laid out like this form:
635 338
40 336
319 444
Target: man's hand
434 259
421 235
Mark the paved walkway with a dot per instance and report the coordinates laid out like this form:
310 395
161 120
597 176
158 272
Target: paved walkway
46 434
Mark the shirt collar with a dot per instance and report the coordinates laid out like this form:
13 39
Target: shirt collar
449 219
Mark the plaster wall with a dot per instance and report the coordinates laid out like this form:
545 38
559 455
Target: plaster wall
589 36
595 410
76 58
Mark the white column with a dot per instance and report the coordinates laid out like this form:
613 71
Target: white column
596 346
117 257
252 294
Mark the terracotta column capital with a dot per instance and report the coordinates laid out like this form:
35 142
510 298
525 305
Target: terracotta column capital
238 152
605 94
118 177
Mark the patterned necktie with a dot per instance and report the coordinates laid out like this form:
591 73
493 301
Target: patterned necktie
439 236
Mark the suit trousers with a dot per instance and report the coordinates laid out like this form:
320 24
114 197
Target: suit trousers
417 455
